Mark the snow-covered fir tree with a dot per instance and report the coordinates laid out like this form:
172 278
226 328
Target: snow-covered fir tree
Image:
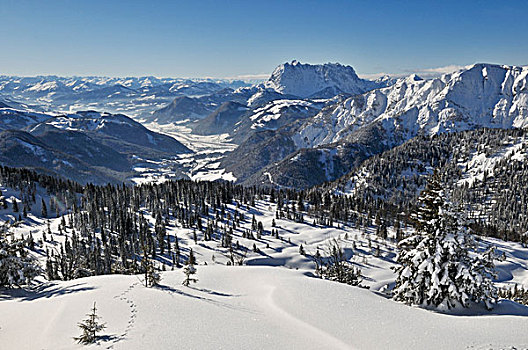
436 267
189 270
152 276
90 326
17 266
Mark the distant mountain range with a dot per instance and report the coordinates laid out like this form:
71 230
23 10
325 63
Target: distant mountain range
305 125
288 81
132 95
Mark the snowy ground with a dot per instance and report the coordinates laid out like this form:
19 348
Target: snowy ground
203 164
272 302
241 308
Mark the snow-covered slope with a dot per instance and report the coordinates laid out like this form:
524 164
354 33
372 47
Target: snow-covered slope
326 80
246 307
274 302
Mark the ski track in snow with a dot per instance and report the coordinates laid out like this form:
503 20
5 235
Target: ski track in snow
302 328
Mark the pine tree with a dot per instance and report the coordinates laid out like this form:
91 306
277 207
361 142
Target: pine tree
337 268
152 277
189 270
44 209
301 250
90 326
436 268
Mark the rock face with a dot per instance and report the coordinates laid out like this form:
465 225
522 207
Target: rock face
317 81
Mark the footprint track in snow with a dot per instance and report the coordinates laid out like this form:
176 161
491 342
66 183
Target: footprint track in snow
133 313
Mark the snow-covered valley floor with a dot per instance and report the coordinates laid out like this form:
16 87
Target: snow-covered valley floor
202 164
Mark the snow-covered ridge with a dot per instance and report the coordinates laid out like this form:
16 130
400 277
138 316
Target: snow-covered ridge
88 121
273 111
483 95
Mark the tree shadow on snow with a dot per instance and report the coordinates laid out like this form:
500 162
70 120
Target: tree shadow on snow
212 292
42 291
172 290
107 338
502 308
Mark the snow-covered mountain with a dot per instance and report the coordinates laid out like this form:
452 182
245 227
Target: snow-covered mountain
484 95
317 81
289 81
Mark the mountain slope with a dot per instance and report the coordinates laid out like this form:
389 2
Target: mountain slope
14 119
120 132
484 170
111 147
222 120
91 162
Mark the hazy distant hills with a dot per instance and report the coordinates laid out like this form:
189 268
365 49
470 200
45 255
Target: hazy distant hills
133 96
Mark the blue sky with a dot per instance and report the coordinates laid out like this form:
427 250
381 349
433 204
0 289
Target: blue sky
245 38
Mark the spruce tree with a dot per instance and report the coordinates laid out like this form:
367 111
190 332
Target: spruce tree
44 209
436 268
152 277
17 266
90 326
189 270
